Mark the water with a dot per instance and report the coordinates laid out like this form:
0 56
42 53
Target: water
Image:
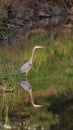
50 80
17 112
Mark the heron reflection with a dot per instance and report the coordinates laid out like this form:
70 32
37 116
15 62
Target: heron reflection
26 85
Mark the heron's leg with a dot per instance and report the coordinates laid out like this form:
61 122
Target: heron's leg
26 75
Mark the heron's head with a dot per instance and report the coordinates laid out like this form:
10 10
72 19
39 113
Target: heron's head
34 51
38 47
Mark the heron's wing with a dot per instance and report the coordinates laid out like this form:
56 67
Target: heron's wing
25 85
26 67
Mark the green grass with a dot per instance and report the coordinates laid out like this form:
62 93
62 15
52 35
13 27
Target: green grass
51 78
55 61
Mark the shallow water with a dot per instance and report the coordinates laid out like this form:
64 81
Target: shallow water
17 112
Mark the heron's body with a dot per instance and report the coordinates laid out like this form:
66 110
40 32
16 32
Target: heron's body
25 69
27 66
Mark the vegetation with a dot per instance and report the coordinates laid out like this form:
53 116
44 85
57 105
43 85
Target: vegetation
4 2
57 53
61 2
51 78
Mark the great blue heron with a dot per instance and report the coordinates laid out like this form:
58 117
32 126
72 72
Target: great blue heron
26 85
27 66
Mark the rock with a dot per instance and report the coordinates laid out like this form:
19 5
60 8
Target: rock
21 15
56 11
44 15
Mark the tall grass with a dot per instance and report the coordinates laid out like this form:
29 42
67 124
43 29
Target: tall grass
51 77
57 52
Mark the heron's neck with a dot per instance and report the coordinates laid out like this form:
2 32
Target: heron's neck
32 54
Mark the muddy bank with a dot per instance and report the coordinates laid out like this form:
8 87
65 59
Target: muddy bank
20 16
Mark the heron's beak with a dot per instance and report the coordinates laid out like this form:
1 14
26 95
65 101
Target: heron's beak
41 47
38 47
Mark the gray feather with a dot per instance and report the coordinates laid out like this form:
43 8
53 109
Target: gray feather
26 67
